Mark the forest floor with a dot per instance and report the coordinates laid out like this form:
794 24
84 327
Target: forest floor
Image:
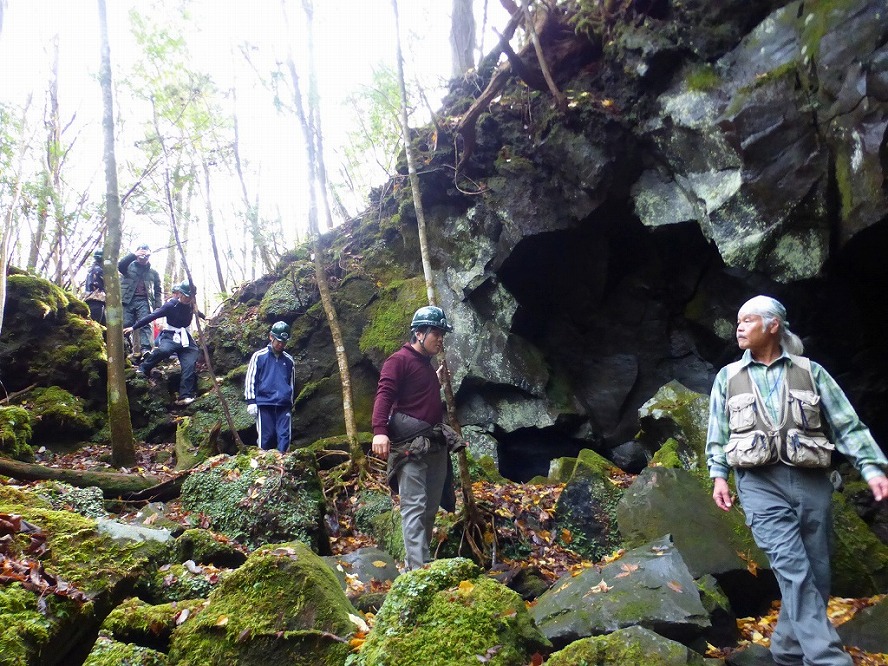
528 517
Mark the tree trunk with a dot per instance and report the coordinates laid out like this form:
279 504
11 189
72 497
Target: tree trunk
211 229
123 449
462 37
474 526
358 459
113 484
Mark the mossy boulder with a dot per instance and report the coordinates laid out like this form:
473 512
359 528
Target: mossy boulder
179 582
648 586
15 433
368 505
284 605
48 339
675 412
108 652
205 547
634 646
390 317
386 530
53 628
260 497
860 560
586 515
450 613
59 416
135 621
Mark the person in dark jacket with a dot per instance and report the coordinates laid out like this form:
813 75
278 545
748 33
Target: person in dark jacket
269 390
95 289
409 387
139 293
175 338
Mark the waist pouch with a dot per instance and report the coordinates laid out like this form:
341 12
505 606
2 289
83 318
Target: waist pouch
403 428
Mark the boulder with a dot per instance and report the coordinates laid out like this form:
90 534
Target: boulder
633 646
675 412
866 629
677 502
482 621
284 605
649 586
47 619
260 497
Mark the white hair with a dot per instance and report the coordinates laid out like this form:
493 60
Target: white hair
771 310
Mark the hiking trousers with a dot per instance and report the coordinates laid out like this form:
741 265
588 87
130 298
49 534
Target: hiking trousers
790 512
420 485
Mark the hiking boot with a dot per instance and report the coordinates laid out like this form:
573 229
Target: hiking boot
182 402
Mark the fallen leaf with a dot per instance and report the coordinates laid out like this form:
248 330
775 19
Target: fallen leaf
182 615
222 621
674 586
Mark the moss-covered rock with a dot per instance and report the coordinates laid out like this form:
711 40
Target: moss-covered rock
860 560
283 606
15 433
108 652
450 613
261 497
59 416
386 530
52 628
204 547
679 414
634 646
135 621
368 505
390 317
179 582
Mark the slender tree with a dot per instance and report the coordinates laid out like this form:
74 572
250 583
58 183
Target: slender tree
473 524
358 459
123 449
462 37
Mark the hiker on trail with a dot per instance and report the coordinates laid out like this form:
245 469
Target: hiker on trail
408 431
269 390
95 288
139 294
774 418
175 338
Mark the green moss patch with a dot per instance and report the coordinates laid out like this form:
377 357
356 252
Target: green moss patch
15 433
450 613
283 606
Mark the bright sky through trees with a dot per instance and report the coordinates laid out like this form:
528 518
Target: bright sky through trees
352 38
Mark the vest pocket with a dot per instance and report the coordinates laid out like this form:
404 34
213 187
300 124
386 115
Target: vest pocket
750 449
741 412
805 409
803 450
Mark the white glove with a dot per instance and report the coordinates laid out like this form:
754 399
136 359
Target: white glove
253 410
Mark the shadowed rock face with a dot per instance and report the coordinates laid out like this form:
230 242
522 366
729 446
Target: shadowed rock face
708 155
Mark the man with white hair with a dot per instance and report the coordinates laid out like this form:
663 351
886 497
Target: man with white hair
775 417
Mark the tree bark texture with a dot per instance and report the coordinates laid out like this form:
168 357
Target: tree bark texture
462 37
123 448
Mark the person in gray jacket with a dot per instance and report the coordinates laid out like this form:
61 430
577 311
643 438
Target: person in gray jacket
139 293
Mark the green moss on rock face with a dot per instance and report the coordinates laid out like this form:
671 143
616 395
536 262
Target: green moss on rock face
57 414
391 316
135 621
177 582
634 646
860 560
15 433
668 455
283 606
260 497
450 613
24 627
107 652
203 547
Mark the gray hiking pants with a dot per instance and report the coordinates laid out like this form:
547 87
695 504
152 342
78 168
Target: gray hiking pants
790 512
420 484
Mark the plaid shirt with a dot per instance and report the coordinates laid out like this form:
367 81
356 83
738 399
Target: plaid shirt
851 437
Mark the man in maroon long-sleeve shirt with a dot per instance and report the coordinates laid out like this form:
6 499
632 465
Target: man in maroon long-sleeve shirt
408 384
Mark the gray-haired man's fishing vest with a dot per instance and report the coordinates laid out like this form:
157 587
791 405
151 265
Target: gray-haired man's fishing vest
797 440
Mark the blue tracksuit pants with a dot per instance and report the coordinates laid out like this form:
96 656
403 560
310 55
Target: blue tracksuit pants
273 427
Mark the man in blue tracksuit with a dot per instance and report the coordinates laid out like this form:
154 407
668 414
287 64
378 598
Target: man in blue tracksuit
174 339
268 389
